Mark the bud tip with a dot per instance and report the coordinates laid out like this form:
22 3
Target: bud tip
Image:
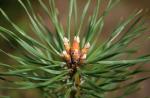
87 45
76 38
65 40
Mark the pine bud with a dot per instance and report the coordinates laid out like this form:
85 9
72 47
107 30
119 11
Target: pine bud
75 44
83 57
85 49
75 49
66 56
66 44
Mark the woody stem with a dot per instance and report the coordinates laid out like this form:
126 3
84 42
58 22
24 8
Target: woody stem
75 77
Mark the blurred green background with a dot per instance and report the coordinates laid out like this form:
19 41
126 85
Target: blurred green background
126 7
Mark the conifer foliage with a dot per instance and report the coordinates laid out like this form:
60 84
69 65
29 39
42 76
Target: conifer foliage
62 67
